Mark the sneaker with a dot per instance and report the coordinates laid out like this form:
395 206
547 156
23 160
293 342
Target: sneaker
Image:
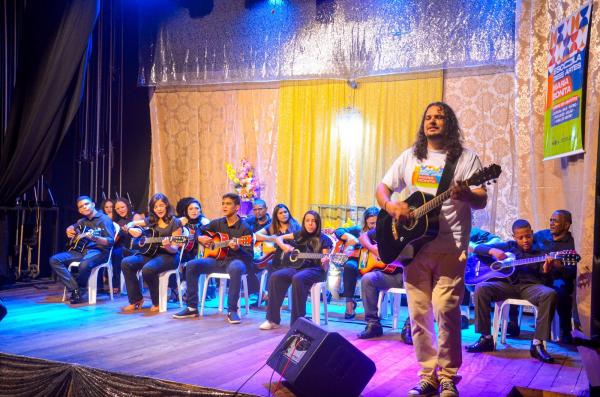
267 325
186 313
233 318
448 388
406 333
423 389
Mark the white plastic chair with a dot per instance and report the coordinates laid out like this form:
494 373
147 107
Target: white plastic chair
262 286
395 295
163 281
318 291
93 278
501 313
222 285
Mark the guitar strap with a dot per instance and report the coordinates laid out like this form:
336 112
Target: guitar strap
447 176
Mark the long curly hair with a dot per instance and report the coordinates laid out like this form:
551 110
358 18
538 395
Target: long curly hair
313 240
452 134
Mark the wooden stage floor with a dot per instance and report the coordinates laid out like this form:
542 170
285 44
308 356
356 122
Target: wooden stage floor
210 352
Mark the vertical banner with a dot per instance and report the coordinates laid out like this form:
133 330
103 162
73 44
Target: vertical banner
563 121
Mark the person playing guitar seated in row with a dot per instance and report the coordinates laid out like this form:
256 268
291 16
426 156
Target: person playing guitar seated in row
123 214
234 263
258 221
562 280
189 211
372 283
91 239
527 282
282 223
302 276
162 223
349 237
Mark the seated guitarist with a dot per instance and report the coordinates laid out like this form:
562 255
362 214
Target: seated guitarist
308 239
558 238
94 251
283 223
164 223
372 283
527 282
235 263
349 236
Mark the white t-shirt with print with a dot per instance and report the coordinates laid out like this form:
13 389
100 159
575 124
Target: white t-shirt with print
424 175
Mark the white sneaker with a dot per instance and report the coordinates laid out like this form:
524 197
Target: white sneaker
267 325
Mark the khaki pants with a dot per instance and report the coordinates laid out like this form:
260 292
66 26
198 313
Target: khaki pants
435 286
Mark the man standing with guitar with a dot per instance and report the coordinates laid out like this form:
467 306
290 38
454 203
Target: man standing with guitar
91 239
234 261
434 277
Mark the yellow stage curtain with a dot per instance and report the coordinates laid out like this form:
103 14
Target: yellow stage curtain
335 142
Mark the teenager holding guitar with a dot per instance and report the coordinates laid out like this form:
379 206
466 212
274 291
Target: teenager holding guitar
123 214
349 238
434 278
92 249
163 224
235 262
302 274
527 282
282 223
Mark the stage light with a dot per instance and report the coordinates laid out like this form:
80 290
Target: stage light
349 126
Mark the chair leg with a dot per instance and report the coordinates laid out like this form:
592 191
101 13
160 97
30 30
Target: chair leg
110 278
163 291
203 300
262 287
64 294
179 295
505 312
325 309
222 286
246 294
315 292
380 304
496 320
93 285
396 298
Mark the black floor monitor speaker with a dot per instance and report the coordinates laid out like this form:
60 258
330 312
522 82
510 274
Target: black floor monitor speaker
320 363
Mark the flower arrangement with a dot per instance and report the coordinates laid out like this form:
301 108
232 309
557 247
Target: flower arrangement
244 180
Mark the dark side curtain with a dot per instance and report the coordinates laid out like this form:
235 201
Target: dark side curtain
51 70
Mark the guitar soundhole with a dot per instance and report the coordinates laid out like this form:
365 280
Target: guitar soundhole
496 266
413 221
294 255
142 241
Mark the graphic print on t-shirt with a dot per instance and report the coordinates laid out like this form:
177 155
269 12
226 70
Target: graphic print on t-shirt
426 176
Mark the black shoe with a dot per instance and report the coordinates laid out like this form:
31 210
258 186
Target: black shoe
406 333
448 388
539 352
186 313
77 296
464 322
233 318
513 329
423 389
373 330
350 316
482 345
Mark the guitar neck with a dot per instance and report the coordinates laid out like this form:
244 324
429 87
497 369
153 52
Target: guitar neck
225 243
154 240
529 261
431 204
310 255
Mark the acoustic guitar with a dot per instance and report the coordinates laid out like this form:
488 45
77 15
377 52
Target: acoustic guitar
219 247
484 268
80 241
264 251
368 262
150 241
402 241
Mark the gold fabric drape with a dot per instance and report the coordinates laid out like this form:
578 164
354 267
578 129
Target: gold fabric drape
569 183
194 133
484 105
335 142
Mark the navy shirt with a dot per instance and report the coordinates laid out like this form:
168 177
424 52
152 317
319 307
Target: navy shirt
254 225
238 229
546 243
99 221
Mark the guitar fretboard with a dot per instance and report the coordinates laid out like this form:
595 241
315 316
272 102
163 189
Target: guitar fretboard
431 204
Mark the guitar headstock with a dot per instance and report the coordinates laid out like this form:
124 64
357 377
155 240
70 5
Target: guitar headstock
567 257
246 241
491 172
